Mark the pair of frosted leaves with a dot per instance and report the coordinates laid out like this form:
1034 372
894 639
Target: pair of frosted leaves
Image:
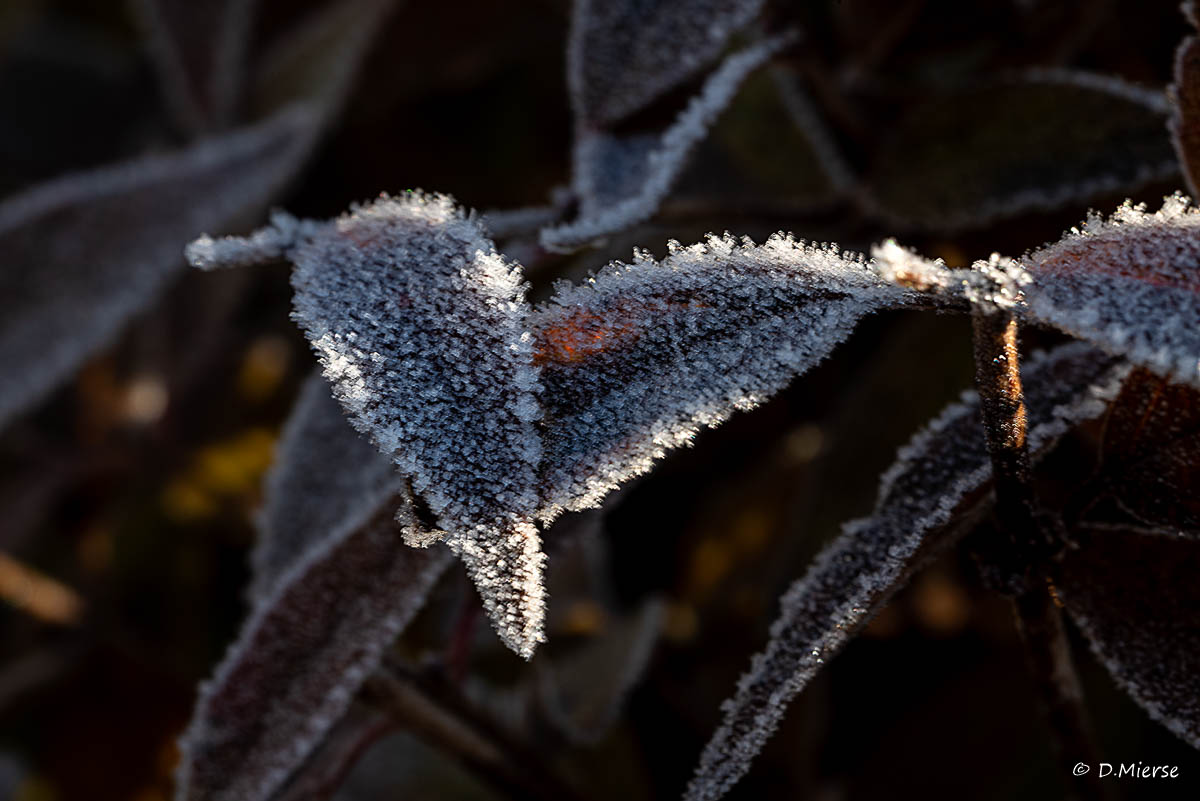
503 416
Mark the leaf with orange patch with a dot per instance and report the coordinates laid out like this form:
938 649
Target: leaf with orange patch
641 357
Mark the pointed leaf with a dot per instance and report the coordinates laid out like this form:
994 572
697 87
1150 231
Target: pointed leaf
624 53
198 49
80 255
1039 141
1150 454
855 576
420 327
622 180
301 657
1137 599
637 360
1129 285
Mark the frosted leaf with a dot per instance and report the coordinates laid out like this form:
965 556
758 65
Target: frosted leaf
309 644
421 328
324 473
582 692
1150 452
622 181
641 357
1128 284
81 254
939 469
198 50
1041 140
1136 598
1185 111
623 54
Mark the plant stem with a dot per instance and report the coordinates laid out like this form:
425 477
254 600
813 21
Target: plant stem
324 771
446 724
998 381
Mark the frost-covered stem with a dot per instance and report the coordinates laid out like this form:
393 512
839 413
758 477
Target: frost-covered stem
1049 656
1002 402
445 724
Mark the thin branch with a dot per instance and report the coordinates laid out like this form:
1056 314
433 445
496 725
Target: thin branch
321 775
447 724
998 381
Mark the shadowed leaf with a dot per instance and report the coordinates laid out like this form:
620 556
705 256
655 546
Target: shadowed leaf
854 577
621 180
1150 454
198 49
1130 285
1137 599
1185 111
334 585
625 53
637 360
80 254
302 655
1039 141
324 473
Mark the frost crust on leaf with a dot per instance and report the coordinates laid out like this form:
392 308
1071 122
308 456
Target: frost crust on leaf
622 180
307 647
623 54
1129 284
642 356
873 557
1135 598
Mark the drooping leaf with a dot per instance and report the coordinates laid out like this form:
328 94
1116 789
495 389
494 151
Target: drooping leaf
1130 285
324 473
303 654
621 180
421 328
1138 602
333 586
1038 141
853 578
81 254
1185 111
1150 452
623 54
635 361
198 49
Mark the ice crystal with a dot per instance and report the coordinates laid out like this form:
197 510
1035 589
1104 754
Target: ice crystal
1129 284
623 54
641 357
1135 597
855 576
622 180
80 254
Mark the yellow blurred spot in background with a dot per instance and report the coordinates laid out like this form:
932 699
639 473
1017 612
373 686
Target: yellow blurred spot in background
263 368
584 617
228 470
